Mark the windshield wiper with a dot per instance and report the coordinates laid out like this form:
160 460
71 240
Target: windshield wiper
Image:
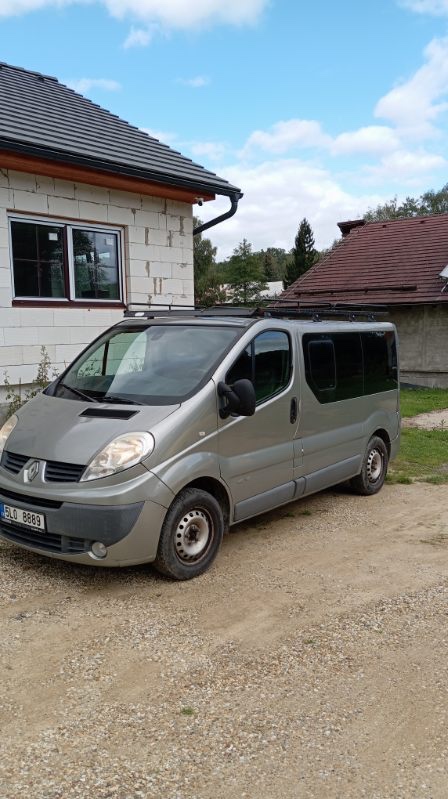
119 400
77 392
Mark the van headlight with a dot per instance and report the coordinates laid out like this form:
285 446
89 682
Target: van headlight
122 453
6 431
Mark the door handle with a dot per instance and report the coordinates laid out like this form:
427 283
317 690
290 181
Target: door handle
293 410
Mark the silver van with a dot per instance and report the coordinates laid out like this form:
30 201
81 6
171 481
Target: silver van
170 427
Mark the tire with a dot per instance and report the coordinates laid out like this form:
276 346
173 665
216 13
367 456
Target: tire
191 535
374 469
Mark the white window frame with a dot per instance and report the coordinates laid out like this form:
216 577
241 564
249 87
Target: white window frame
69 226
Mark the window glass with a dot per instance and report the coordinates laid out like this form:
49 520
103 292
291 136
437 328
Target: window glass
38 260
320 366
96 265
349 371
380 361
272 363
266 361
154 365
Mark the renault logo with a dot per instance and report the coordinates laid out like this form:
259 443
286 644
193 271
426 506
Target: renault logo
33 470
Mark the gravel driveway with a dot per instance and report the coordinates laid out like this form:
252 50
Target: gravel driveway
311 661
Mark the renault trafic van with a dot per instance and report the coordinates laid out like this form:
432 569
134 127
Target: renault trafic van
170 427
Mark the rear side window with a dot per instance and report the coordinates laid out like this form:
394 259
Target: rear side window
266 361
341 366
380 361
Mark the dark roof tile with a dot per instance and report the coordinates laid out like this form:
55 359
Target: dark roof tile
40 116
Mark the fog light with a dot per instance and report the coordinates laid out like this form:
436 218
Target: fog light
99 549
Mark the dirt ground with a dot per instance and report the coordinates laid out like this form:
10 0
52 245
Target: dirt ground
311 661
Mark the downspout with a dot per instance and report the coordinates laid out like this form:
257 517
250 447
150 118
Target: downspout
234 199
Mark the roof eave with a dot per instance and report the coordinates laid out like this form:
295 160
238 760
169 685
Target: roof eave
60 156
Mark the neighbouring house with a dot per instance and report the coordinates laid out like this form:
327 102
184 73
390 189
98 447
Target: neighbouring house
397 265
94 214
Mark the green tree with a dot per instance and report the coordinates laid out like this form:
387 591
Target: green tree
304 254
275 261
245 275
430 202
207 281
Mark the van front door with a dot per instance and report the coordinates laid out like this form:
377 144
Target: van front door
256 452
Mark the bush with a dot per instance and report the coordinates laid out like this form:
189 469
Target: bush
15 396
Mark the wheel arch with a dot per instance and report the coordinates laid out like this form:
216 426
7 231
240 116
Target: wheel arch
384 435
213 486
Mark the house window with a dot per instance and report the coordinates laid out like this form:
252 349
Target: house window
75 263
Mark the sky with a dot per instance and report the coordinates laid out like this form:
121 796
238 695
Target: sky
318 110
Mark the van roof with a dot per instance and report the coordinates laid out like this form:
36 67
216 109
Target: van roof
305 325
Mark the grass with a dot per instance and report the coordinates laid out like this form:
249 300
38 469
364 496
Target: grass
187 711
423 400
423 456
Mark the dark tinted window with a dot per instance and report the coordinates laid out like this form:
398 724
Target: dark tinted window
267 362
380 361
349 372
341 366
320 364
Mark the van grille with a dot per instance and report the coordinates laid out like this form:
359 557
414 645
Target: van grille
56 472
49 542
12 462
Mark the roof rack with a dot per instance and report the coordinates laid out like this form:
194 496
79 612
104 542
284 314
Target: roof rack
164 309
350 313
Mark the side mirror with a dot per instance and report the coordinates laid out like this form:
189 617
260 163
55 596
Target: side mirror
239 398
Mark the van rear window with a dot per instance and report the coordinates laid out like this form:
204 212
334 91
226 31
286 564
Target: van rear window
341 366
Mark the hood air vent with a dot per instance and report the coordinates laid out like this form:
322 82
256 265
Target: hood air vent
108 413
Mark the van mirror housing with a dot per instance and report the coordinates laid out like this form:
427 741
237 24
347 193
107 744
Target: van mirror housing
239 398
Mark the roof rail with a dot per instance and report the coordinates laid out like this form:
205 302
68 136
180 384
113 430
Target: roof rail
156 310
350 313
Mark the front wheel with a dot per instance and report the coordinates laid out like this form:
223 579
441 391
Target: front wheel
191 535
374 468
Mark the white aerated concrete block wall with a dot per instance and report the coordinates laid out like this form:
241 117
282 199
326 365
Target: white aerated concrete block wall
157 240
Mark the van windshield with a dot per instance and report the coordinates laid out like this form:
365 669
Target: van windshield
154 365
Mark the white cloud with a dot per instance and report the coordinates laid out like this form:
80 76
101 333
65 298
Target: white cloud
277 195
407 168
438 8
414 105
373 139
195 83
169 13
138 37
213 150
85 85
286 135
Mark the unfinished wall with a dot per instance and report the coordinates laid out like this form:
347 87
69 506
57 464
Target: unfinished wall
423 335
158 265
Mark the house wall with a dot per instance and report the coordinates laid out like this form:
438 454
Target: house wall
423 336
158 266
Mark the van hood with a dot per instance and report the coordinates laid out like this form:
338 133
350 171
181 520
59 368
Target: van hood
54 429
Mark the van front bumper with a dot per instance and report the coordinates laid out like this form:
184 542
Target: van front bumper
130 532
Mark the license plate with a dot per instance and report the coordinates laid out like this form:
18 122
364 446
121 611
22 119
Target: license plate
27 518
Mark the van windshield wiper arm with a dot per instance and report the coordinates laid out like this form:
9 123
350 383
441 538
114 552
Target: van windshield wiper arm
118 399
77 392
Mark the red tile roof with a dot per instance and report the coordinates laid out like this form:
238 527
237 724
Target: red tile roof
388 263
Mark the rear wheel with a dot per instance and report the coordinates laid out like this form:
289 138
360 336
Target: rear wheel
374 468
191 535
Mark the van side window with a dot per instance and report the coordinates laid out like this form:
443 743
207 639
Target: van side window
266 361
380 361
320 365
340 366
